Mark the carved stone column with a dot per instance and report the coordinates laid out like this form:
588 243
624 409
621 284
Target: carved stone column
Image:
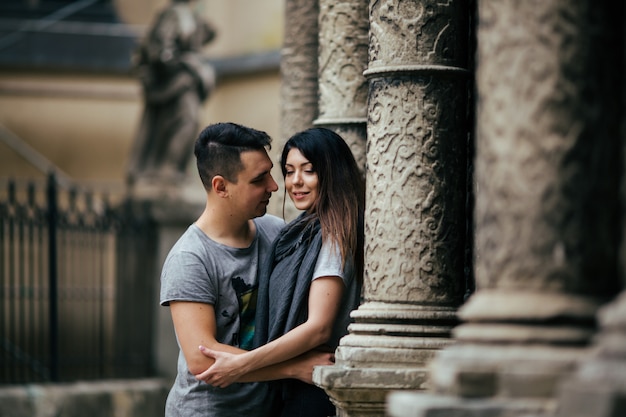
415 207
298 67
343 45
547 175
299 87
598 387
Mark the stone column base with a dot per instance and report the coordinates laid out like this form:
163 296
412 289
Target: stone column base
494 371
416 404
601 399
387 349
491 381
599 387
363 392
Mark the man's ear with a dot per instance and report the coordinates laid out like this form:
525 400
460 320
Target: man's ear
218 183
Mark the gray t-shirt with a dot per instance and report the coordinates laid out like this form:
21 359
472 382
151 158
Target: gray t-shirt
201 270
329 265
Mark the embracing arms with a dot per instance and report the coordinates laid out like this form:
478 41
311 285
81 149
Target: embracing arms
240 366
195 325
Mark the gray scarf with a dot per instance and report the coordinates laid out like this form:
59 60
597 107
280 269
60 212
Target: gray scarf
285 279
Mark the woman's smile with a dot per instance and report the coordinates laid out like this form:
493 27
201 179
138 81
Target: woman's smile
301 180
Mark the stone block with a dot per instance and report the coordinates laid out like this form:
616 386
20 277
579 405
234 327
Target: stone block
416 404
128 398
14 402
580 399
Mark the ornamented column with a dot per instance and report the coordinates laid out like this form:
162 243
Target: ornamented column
598 388
299 88
298 67
547 176
343 45
415 208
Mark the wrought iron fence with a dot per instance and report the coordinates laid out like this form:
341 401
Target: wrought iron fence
77 284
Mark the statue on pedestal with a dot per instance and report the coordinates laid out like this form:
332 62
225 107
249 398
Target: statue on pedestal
175 82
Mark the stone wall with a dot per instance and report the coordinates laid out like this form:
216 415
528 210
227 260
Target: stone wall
132 398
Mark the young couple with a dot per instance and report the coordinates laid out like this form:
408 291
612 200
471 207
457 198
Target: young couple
252 299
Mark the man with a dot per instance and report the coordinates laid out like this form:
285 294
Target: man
209 278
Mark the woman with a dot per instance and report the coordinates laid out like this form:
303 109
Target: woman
313 281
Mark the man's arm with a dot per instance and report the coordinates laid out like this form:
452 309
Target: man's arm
195 325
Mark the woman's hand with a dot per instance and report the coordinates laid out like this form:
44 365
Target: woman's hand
228 367
302 366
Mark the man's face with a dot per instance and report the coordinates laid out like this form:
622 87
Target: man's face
251 194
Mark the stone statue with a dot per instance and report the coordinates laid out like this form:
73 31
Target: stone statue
175 82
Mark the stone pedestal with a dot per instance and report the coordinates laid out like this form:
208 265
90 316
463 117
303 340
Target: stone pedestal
547 174
170 217
598 388
415 217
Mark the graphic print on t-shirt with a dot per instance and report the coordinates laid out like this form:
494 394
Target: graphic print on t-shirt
246 296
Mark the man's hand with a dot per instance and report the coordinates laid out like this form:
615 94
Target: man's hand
224 371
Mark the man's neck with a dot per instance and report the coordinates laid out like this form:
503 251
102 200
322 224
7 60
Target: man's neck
227 230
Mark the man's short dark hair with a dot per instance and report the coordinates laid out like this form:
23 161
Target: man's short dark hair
219 146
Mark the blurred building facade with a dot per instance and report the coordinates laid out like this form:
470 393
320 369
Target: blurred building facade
68 90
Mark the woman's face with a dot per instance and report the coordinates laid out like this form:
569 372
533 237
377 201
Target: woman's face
301 180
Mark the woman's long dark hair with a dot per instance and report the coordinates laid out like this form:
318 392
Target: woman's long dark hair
341 198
